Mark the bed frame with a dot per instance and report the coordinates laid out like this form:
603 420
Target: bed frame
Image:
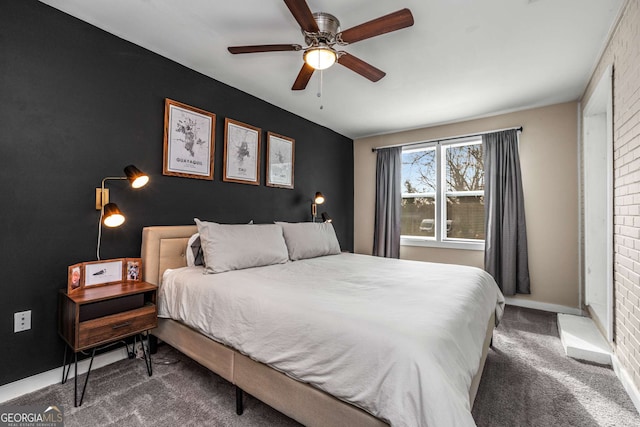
164 247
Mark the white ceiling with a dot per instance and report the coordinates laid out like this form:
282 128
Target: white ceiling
462 58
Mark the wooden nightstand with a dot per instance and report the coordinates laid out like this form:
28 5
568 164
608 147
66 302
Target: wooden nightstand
102 315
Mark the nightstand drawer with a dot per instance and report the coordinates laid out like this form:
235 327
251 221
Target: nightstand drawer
110 328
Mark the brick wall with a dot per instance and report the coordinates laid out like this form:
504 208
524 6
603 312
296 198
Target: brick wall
623 52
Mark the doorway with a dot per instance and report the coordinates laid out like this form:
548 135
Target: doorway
597 160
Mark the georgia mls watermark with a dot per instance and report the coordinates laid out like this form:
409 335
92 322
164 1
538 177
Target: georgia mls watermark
31 416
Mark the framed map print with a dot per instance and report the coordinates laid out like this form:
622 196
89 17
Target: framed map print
189 141
280 160
241 152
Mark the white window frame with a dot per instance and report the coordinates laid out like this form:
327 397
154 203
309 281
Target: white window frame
440 240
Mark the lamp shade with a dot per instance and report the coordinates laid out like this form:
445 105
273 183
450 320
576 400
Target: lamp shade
136 177
320 58
319 199
112 216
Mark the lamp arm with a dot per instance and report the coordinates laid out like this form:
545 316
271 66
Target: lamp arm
99 233
102 188
109 178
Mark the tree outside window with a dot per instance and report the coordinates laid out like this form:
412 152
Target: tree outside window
446 178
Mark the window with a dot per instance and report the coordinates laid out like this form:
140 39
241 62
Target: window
443 194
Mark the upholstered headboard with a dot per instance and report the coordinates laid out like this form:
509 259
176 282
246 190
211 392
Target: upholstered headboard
164 247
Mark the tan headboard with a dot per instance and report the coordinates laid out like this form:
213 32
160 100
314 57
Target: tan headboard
164 247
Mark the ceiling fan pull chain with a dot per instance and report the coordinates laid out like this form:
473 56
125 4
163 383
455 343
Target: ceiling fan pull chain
320 90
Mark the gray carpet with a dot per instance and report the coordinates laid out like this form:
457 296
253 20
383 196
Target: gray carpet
527 382
181 393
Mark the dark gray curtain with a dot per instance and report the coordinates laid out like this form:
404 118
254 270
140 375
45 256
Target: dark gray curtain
506 254
386 235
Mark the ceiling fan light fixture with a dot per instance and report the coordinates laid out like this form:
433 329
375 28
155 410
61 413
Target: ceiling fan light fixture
321 57
321 32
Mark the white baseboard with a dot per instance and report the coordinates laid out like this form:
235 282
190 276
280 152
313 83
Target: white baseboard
44 379
626 381
554 308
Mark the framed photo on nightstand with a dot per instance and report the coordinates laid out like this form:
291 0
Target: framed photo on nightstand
134 269
105 272
74 280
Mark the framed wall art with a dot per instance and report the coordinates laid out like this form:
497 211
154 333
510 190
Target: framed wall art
189 141
280 160
241 152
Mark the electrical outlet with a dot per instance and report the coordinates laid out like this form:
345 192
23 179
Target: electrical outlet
22 321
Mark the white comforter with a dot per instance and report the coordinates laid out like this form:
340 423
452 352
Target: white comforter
400 339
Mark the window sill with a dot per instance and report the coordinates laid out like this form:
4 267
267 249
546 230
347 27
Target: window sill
448 244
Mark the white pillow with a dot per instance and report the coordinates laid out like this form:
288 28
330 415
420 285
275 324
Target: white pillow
310 239
194 252
237 246
195 255
189 251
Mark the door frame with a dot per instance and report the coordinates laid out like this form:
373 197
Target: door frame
600 108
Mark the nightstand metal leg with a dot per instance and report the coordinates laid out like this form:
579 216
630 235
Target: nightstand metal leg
75 381
86 380
66 367
147 357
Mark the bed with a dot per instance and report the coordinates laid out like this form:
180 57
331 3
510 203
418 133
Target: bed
327 392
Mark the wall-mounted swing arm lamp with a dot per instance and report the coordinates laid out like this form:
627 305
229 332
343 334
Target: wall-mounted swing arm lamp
317 200
110 214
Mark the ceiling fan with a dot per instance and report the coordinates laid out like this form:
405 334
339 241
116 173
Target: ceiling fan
322 34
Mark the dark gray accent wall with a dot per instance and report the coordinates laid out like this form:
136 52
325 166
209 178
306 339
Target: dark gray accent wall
78 104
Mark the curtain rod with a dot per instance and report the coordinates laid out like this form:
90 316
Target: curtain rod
519 129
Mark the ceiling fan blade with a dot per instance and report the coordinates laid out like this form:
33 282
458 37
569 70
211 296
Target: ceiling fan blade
300 10
385 24
361 67
303 77
264 48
